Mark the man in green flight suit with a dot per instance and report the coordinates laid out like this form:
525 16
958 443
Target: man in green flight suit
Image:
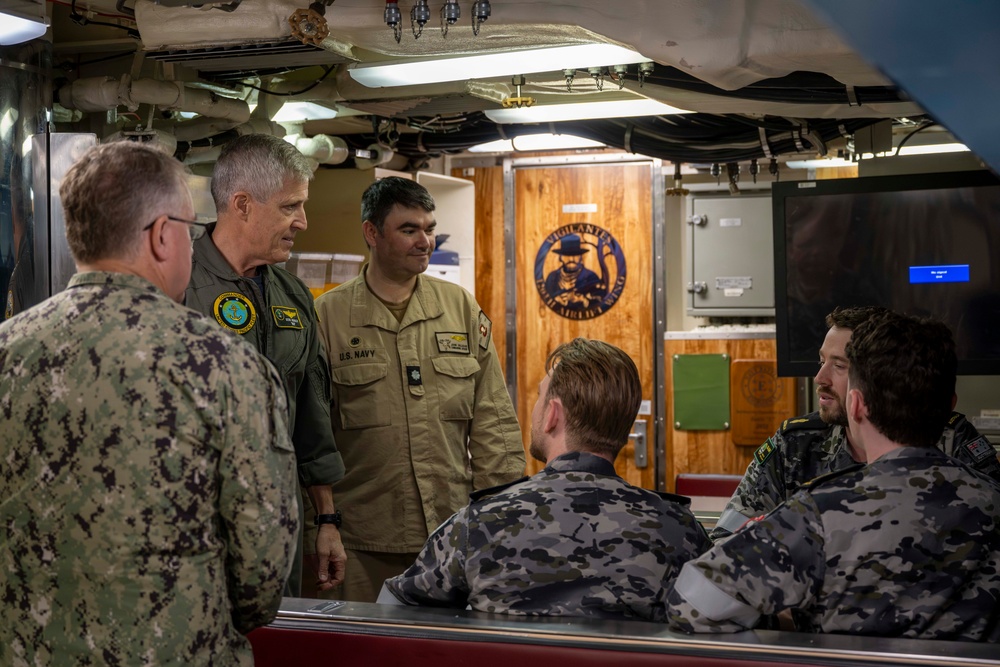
260 185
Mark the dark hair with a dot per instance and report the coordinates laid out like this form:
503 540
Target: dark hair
112 191
379 198
905 367
260 164
600 391
852 317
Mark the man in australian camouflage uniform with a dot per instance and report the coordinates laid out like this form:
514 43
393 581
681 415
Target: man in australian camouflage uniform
575 539
905 546
819 443
147 508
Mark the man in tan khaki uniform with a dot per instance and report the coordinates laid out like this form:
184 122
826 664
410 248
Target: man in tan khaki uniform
420 411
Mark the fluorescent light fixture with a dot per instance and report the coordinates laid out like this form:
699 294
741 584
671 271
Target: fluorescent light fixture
295 111
490 65
931 149
22 21
536 142
926 149
822 163
549 113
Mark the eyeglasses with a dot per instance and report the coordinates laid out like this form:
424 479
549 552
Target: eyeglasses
196 228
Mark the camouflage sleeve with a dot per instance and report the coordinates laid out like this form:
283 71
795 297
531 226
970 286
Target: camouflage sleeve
773 564
437 578
257 504
494 436
760 491
319 462
962 441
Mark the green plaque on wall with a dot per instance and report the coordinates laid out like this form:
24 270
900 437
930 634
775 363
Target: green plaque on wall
701 392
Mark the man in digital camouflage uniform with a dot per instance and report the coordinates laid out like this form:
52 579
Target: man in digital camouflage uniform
420 409
905 546
147 489
260 185
818 443
575 539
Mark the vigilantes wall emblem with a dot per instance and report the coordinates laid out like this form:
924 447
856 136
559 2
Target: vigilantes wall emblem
580 271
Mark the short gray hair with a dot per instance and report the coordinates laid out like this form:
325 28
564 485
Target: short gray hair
260 164
112 192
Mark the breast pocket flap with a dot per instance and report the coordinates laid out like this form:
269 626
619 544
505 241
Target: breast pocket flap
358 374
456 367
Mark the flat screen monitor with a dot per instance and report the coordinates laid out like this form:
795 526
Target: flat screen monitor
925 244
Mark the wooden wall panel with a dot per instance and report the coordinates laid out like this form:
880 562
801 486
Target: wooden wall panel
623 197
490 278
711 451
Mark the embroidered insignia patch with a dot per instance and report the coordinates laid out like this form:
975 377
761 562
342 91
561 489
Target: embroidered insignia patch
452 342
286 318
485 329
235 312
413 376
764 452
981 449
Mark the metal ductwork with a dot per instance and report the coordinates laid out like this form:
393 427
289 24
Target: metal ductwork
105 93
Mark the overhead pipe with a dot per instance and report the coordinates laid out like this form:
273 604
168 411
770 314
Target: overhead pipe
322 148
106 93
201 128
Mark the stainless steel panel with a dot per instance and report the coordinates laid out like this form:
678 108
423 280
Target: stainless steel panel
731 249
62 151
624 636
25 95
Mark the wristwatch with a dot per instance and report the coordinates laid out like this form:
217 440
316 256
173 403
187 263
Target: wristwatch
334 518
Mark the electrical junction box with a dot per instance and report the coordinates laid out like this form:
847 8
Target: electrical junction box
731 256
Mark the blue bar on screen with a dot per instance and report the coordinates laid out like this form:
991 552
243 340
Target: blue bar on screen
948 273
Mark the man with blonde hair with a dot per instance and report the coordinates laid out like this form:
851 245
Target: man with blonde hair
575 539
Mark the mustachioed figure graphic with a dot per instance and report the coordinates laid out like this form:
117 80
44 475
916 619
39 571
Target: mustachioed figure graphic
573 285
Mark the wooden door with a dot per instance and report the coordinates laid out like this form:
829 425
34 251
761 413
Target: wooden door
604 212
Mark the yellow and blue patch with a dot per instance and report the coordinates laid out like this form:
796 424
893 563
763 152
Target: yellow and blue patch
235 312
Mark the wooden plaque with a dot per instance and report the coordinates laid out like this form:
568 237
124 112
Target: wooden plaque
760 400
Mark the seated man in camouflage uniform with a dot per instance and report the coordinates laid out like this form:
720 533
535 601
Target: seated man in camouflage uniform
905 546
818 443
575 539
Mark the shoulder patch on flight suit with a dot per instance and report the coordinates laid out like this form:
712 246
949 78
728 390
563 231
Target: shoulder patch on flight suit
235 312
449 341
485 329
286 317
980 449
765 451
